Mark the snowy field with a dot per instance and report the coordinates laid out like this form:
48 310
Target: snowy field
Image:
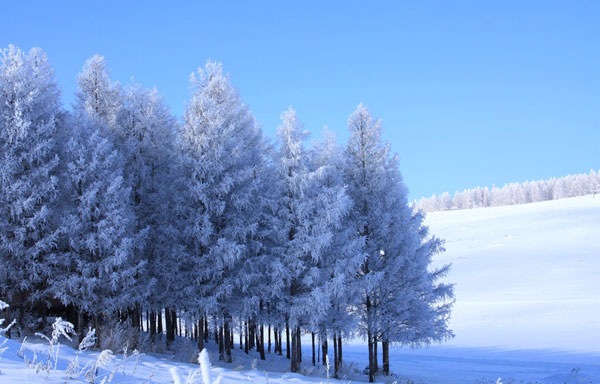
527 310
527 276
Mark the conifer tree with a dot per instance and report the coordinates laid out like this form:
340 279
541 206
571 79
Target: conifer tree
30 115
223 144
395 269
96 272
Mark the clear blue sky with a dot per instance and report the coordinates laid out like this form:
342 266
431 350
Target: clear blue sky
470 93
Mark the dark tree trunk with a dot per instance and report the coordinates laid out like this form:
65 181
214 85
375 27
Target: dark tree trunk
375 354
299 335
247 339
152 324
262 342
280 341
173 324
319 350
160 322
227 338
257 337
205 329
371 369
221 338
295 358
313 348
335 356
287 339
241 334
200 330
385 346
324 347
169 326
340 348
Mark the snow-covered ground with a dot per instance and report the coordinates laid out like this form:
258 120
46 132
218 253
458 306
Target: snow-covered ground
527 309
527 276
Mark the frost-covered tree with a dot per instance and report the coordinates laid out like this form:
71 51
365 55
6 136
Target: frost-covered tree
96 272
305 214
98 96
340 259
223 146
144 131
30 114
392 237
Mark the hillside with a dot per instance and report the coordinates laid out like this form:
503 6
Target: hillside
527 276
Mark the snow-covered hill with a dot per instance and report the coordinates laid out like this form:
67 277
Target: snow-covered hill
527 276
527 310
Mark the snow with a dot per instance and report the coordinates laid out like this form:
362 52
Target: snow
527 276
526 311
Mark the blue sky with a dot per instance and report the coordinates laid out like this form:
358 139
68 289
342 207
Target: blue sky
470 93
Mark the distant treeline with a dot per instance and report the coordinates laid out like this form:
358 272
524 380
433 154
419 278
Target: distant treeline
514 193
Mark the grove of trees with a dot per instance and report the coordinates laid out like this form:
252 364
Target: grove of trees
514 193
116 212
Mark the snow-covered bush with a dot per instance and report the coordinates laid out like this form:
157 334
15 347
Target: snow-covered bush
104 360
74 370
3 306
121 335
199 376
60 328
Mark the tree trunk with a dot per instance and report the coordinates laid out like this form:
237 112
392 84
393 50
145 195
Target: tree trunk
257 337
319 350
227 338
221 341
299 336
340 348
173 324
280 341
287 340
152 324
295 358
335 356
160 322
262 342
385 346
324 347
200 330
241 334
247 339
205 329
375 357
269 337
371 369
313 348
168 326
